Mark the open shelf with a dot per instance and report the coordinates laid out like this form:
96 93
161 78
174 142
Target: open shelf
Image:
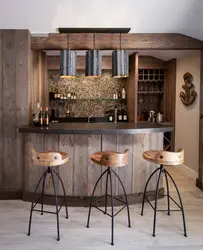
90 99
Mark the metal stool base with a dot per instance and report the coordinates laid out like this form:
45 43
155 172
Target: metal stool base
106 195
162 170
41 198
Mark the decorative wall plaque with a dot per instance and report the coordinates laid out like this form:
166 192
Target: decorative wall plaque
189 94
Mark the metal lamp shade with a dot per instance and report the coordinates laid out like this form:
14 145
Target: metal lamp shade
93 66
120 64
67 63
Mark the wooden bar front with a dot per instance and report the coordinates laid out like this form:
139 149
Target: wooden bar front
80 174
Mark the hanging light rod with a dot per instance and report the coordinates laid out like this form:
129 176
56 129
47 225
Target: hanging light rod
94 30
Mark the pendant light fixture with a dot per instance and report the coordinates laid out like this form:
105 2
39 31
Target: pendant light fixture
67 62
120 63
93 62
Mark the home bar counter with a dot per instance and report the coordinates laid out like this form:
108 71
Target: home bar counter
80 140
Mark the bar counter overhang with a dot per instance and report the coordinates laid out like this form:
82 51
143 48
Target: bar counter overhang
79 174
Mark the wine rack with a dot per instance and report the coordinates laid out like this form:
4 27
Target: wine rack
150 91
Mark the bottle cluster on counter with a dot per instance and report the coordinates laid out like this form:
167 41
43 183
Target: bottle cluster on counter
39 117
117 115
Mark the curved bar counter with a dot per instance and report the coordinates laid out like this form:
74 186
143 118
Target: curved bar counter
80 140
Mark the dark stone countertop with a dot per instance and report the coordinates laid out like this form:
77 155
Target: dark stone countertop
98 128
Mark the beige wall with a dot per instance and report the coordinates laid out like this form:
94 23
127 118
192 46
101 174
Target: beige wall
187 118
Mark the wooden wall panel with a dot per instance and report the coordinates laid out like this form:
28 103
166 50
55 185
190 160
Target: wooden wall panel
10 171
22 48
131 87
94 170
51 144
66 144
109 142
125 173
1 110
147 62
80 165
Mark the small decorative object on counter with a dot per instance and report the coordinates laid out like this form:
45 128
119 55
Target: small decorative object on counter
123 93
159 117
189 94
46 117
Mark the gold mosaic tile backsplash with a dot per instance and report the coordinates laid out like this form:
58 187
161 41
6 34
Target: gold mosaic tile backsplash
86 88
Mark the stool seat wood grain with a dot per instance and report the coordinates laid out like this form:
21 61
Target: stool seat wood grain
165 157
49 158
110 158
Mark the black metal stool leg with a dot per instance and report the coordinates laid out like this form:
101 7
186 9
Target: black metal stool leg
55 194
167 189
64 192
91 199
32 205
106 194
42 195
112 209
128 210
145 189
181 203
156 199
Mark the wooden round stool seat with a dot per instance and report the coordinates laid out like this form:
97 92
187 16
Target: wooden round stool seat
110 158
49 158
165 157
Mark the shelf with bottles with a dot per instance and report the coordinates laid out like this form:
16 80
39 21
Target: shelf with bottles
90 99
151 74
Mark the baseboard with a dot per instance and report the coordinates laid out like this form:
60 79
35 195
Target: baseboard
10 195
191 174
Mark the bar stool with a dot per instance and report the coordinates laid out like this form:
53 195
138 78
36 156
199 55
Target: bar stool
49 160
111 160
164 158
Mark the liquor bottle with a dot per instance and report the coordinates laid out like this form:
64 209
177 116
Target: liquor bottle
69 95
114 95
119 115
125 116
123 94
74 96
110 117
41 117
56 94
59 96
46 117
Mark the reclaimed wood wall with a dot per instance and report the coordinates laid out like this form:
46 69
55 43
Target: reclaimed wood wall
80 174
14 106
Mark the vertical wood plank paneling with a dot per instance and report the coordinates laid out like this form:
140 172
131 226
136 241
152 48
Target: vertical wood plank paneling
22 55
109 143
94 170
80 165
131 87
139 164
67 144
51 144
45 83
32 173
125 173
9 111
1 107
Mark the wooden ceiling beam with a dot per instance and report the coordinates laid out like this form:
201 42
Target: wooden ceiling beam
106 41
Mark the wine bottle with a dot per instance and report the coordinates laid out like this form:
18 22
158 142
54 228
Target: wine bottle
41 117
123 94
46 117
125 116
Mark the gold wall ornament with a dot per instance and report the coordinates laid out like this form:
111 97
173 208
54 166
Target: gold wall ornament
189 95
